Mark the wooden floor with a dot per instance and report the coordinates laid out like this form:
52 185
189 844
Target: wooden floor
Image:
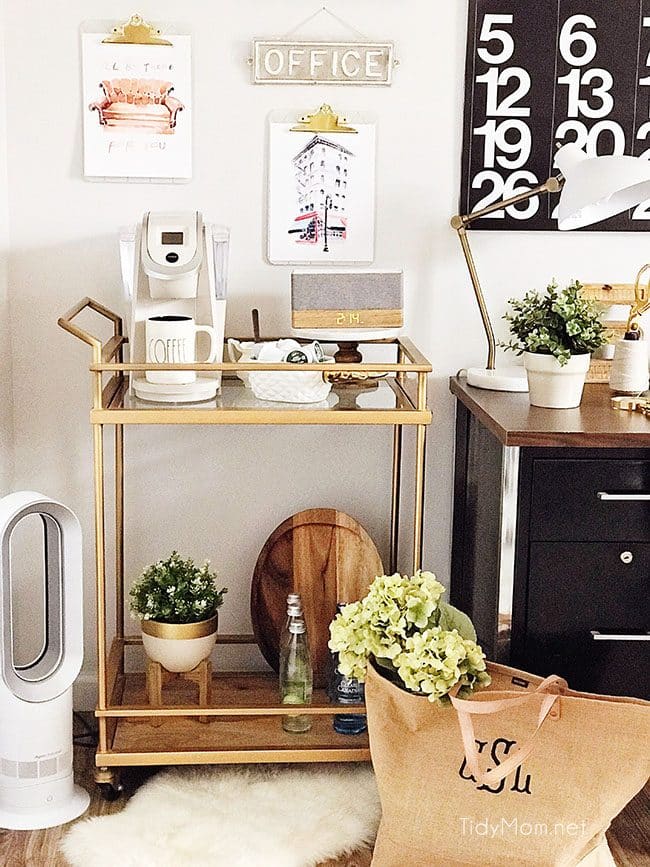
629 836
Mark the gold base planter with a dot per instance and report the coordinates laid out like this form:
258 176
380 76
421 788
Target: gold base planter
179 646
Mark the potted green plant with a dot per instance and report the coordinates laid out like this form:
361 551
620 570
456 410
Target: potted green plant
414 639
177 605
556 332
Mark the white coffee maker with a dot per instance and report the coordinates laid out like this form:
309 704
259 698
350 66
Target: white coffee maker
174 268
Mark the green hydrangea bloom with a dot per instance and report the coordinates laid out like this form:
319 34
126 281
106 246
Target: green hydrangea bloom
398 625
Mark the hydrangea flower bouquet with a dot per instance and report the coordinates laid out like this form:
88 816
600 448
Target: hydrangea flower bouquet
176 599
422 644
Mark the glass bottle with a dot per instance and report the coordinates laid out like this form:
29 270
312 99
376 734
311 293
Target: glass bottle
294 610
346 690
296 676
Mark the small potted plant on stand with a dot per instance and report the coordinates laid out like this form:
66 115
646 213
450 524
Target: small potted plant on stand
177 604
556 332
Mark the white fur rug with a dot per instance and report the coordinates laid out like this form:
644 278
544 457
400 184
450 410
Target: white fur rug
260 816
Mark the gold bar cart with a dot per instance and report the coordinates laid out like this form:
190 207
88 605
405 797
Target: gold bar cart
243 724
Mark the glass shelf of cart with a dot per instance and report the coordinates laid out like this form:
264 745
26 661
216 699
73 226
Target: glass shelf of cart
234 395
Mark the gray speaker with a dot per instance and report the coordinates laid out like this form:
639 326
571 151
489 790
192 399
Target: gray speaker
357 300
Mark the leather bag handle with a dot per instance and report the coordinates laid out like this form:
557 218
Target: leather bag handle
466 708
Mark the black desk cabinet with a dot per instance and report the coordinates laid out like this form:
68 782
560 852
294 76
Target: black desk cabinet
551 539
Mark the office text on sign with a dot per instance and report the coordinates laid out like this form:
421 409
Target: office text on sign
284 62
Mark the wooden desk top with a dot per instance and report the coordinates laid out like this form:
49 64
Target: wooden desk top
594 424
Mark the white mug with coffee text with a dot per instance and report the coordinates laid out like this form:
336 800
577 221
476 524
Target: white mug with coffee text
172 340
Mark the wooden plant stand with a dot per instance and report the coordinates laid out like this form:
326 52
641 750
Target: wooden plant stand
158 677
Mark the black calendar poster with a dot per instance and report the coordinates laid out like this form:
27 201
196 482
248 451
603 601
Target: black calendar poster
546 72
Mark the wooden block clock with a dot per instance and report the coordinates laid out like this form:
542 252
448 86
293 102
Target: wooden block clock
346 299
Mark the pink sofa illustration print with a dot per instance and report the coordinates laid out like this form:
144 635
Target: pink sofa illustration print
138 104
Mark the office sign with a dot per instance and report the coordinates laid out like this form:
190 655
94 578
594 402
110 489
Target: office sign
278 61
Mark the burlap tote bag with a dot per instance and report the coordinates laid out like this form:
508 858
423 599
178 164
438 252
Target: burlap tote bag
526 772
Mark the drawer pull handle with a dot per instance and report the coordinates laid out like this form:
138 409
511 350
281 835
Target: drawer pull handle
627 557
637 498
619 636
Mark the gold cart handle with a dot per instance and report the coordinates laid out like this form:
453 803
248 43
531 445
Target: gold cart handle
101 352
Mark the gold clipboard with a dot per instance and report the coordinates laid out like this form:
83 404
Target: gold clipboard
136 31
323 120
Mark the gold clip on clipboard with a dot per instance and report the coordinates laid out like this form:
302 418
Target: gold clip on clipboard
136 31
323 120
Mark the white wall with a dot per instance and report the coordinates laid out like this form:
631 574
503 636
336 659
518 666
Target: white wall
6 414
229 488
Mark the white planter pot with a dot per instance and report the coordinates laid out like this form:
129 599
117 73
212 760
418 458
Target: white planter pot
179 646
552 385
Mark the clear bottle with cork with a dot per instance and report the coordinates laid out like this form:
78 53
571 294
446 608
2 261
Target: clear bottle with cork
296 673
294 610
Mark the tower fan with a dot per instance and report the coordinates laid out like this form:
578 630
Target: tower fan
37 788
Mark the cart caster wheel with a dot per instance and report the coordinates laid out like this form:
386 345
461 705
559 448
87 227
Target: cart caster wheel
109 792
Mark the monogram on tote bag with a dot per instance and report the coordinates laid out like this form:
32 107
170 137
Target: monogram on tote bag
526 772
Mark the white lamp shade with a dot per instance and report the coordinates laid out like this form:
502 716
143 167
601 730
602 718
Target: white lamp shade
596 188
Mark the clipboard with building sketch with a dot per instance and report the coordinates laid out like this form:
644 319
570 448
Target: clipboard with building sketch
321 196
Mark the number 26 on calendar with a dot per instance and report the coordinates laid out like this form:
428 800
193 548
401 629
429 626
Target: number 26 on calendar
507 139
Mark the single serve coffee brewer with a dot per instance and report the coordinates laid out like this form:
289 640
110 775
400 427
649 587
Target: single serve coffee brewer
174 269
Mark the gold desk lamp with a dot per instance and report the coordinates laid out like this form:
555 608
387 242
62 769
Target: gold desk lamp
592 189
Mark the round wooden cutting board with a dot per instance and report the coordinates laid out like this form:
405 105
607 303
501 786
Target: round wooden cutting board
327 557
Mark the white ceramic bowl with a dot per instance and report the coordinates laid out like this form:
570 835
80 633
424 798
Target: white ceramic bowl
290 386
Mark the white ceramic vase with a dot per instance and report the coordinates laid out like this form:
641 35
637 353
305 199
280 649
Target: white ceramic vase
179 646
552 385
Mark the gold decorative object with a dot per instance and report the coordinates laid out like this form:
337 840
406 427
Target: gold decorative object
136 31
364 380
641 301
632 404
244 708
323 120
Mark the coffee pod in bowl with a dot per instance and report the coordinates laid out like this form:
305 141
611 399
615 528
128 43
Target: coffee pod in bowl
270 352
287 344
313 352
